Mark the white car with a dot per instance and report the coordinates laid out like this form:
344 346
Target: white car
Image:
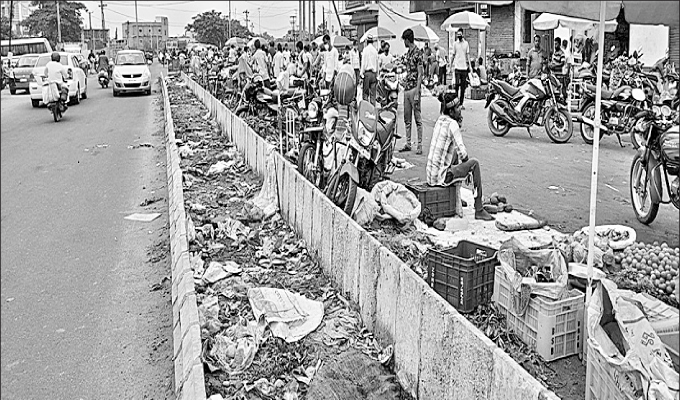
131 73
77 80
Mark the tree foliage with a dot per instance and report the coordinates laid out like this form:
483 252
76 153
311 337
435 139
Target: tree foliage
213 27
4 28
43 21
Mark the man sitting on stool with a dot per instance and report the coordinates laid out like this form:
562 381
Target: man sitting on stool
447 161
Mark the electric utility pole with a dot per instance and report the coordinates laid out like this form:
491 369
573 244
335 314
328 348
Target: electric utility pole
314 18
136 28
91 31
292 24
303 25
229 18
259 20
102 5
11 17
246 12
58 26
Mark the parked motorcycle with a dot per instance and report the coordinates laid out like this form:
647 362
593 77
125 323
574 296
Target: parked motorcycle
617 111
547 103
517 78
254 101
388 85
103 79
317 142
655 170
368 158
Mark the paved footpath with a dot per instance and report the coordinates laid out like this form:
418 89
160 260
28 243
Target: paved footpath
79 320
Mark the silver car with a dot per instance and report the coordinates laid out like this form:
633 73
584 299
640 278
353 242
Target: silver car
131 73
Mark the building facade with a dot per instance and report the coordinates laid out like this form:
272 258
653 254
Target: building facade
96 39
148 36
22 9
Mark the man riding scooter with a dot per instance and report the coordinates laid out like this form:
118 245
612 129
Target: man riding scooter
104 63
56 73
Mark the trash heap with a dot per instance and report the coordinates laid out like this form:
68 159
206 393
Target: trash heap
272 325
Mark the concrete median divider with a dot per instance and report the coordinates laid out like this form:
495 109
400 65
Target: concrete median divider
189 379
438 353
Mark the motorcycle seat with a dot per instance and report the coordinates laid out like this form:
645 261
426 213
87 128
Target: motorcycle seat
285 95
608 94
508 88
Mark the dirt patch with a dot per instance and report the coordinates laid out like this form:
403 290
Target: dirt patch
228 229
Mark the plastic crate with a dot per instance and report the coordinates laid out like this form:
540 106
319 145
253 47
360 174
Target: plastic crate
463 275
554 328
478 93
605 382
440 201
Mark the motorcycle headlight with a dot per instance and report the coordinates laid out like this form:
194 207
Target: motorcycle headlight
656 110
641 125
312 110
364 137
665 111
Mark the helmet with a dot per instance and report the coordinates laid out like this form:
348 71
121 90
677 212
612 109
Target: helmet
56 57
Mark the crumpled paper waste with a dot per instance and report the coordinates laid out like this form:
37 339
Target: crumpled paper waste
290 316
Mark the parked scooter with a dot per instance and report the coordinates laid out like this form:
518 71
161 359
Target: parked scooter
655 170
546 102
254 101
388 85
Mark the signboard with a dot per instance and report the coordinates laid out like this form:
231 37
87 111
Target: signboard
484 10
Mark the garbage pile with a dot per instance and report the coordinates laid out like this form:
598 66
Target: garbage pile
272 325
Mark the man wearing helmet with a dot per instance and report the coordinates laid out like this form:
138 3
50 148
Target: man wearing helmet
448 159
56 72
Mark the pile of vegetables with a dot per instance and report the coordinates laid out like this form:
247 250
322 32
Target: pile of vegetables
650 268
497 203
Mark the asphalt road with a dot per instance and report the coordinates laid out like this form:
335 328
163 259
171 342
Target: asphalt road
522 168
79 320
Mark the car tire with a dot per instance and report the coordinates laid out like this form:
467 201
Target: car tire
115 93
84 96
12 91
148 92
35 103
76 99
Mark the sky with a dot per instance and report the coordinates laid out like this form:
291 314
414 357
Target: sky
274 16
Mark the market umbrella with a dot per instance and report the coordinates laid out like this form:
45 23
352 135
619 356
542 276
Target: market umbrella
336 41
251 43
636 12
378 34
548 21
422 33
465 20
236 41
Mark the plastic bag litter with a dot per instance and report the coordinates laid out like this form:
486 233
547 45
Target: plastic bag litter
619 330
208 313
217 271
268 198
197 265
235 349
185 151
219 167
290 316
191 229
396 201
519 264
365 208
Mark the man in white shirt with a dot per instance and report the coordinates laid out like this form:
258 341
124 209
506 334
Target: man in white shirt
278 61
461 65
385 57
286 54
355 60
232 54
56 72
260 63
331 61
369 70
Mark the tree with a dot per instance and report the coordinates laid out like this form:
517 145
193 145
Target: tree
43 21
4 28
267 36
212 27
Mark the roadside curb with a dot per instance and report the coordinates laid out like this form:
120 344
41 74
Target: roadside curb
186 333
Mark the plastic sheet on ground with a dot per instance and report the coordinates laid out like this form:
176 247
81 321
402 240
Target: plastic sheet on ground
396 202
290 316
234 349
268 198
620 332
219 167
216 271
142 217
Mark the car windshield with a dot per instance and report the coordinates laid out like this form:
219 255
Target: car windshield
25 61
42 61
130 59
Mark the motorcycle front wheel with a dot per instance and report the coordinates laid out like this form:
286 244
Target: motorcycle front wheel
587 131
558 125
643 205
636 137
497 125
306 165
342 190
56 113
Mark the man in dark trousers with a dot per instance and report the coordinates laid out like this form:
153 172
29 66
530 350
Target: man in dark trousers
412 83
461 65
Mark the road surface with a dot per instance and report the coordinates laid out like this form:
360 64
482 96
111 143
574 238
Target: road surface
79 320
522 168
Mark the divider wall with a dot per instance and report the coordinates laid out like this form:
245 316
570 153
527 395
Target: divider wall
438 353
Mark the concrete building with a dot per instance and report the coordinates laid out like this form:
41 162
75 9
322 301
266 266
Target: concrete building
146 35
96 38
22 9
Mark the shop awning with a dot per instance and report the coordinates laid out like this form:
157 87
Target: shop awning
367 7
636 12
548 21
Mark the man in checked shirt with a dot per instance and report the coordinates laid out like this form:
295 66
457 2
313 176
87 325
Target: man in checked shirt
448 159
